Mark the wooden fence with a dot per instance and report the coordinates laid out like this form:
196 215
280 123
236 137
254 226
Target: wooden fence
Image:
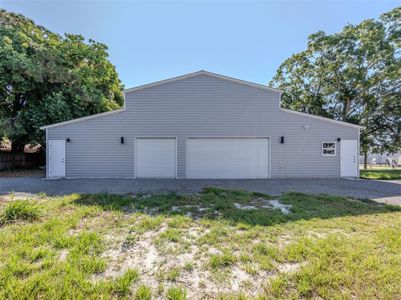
9 161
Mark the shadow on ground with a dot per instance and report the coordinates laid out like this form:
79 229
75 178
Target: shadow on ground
216 203
383 191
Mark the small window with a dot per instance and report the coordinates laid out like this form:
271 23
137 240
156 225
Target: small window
328 149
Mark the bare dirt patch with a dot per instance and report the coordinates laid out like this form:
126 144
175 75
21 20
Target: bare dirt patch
63 255
183 263
265 203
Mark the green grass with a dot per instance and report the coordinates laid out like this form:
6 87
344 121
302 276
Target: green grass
173 274
225 259
143 293
381 174
328 247
22 210
189 266
176 293
122 284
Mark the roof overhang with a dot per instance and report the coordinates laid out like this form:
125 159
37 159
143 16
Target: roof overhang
323 119
82 119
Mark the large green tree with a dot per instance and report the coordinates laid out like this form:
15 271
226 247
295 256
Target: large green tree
47 78
353 76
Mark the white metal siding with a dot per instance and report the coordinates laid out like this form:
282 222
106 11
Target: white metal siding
155 158
205 107
227 158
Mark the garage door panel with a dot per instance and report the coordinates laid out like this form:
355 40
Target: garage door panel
155 158
227 158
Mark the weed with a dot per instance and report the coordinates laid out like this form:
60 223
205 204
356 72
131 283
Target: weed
130 241
171 235
148 223
244 257
250 269
123 283
225 259
263 249
179 222
143 292
188 266
173 274
176 293
20 210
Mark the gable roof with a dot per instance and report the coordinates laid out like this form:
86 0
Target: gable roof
190 75
206 73
161 82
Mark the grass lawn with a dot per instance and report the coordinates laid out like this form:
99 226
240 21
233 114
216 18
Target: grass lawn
381 173
223 244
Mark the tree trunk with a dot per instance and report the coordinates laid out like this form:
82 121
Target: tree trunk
346 108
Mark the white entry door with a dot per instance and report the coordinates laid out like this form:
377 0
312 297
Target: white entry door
56 158
155 158
228 158
348 157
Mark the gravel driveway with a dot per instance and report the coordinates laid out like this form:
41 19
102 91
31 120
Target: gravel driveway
383 191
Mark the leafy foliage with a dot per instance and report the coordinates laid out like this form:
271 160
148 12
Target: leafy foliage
353 76
47 78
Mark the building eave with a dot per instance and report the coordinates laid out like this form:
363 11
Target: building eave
82 119
323 119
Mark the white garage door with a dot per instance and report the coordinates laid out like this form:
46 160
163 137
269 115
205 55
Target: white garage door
227 158
155 158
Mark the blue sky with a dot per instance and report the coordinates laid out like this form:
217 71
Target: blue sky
154 40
